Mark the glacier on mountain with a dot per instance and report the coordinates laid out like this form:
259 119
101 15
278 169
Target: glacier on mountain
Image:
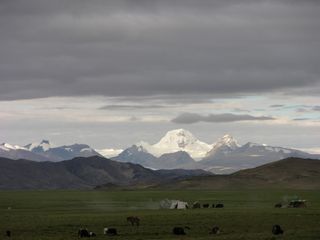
178 140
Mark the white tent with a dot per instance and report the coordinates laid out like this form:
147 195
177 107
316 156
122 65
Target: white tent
173 204
177 204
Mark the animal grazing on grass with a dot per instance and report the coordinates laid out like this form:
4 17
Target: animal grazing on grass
215 230
278 205
110 231
83 233
219 205
277 230
8 233
206 205
133 220
297 204
178 231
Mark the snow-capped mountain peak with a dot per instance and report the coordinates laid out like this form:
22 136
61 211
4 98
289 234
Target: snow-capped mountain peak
175 141
44 151
109 152
223 146
227 140
8 147
43 146
265 147
178 138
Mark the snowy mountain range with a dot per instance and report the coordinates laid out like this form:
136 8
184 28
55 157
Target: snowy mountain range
178 140
181 149
43 151
177 149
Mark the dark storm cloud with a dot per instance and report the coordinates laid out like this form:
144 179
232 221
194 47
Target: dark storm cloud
189 118
157 48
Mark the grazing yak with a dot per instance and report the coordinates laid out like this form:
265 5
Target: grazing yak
215 230
83 233
206 205
277 230
110 231
219 205
179 230
133 220
297 204
278 205
8 233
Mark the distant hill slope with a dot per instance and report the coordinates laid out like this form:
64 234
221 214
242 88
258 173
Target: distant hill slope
295 173
81 173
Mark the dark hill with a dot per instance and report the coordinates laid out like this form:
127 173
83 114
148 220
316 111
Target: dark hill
81 173
295 173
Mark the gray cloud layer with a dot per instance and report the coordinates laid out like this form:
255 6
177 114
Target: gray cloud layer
131 107
189 118
143 48
277 106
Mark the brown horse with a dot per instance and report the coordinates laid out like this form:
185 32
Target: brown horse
133 220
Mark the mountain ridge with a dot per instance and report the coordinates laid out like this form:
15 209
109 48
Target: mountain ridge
81 173
289 173
225 155
44 151
178 148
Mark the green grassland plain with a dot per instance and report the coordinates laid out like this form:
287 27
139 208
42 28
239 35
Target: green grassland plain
248 214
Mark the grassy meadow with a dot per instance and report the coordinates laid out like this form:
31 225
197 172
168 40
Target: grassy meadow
248 214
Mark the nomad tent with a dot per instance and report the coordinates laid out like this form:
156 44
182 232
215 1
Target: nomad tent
173 204
176 204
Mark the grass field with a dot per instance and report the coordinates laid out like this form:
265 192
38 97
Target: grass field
247 214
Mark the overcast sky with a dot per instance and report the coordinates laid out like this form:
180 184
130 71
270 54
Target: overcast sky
112 73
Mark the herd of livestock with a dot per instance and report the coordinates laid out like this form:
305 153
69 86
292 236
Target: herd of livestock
84 233
135 221
276 229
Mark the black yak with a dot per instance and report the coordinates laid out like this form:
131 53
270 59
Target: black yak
277 230
219 205
178 231
110 231
278 205
83 233
215 230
